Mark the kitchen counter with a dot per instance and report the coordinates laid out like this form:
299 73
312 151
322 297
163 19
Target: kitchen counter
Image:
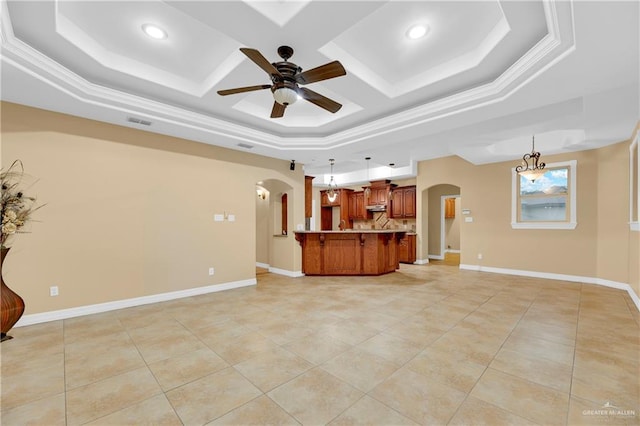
350 252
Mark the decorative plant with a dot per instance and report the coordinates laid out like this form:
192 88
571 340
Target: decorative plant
16 208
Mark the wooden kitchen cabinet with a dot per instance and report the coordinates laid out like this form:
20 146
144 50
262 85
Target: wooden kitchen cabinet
379 195
358 207
449 208
326 211
308 196
324 199
407 249
403 203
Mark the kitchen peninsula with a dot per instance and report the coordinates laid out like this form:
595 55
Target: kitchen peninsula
350 252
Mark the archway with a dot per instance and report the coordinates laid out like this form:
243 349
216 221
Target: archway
443 224
274 222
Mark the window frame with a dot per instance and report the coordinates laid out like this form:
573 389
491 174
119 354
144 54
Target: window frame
634 187
571 223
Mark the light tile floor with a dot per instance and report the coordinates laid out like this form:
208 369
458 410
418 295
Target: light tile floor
426 345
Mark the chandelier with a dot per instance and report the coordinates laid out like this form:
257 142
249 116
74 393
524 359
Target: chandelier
332 192
531 167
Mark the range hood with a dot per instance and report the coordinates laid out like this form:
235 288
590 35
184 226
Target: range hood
377 208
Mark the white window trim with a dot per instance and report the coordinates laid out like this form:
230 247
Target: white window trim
571 224
633 225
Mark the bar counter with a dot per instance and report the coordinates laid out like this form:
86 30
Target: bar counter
349 252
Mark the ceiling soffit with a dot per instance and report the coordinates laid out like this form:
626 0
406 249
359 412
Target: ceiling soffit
72 24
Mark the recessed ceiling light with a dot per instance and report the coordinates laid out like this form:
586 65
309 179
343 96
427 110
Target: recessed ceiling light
154 31
417 31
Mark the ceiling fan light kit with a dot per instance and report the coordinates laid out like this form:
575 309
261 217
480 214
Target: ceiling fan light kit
286 78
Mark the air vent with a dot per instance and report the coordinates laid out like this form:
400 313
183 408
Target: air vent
139 121
245 145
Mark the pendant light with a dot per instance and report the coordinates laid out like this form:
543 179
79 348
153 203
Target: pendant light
332 192
367 190
534 170
391 165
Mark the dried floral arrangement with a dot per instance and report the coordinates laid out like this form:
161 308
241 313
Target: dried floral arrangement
16 207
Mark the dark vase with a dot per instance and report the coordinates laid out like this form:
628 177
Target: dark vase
12 304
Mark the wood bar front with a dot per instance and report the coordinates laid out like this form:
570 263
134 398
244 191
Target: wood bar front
350 252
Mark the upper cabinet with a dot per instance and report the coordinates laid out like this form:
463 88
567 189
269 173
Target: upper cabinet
403 203
326 211
358 206
379 195
325 202
449 208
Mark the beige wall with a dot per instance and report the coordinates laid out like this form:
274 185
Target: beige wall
634 245
130 213
600 247
613 213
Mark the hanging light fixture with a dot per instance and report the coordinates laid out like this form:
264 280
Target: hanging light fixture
391 165
367 190
532 170
332 192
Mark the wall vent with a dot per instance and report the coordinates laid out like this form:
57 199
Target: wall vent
138 121
245 145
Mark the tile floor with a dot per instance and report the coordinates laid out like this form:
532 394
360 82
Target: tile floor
426 345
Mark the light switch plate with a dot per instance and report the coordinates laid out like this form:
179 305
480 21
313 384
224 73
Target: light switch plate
468 219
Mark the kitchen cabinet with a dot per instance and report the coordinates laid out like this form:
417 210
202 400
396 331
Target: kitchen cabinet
365 252
325 202
379 195
407 249
449 208
357 206
308 196
326 211
403 203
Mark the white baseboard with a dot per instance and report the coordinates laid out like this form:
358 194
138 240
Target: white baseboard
561 277
127 303
436 257
286 273
421 262
262 265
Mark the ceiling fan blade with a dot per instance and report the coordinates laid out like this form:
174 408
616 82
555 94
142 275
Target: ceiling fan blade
278 110
318 99
323 72
260 60
243 89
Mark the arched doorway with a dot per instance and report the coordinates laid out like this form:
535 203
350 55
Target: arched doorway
444 218
274 222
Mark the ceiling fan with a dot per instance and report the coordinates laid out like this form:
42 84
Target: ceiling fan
286 78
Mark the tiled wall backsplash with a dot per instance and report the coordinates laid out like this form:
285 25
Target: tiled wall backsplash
381 221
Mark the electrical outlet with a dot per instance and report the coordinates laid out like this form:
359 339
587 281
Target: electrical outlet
211 271
479 256
53 290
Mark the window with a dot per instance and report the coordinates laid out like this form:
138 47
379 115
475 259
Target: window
549 202
634 184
